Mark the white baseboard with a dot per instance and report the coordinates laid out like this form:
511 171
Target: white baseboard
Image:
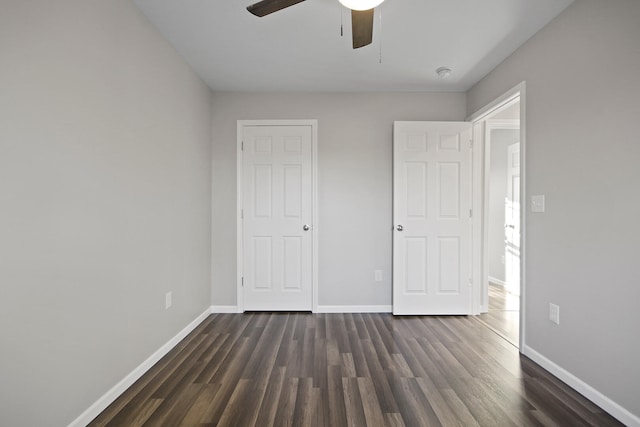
320 309
225 309
109 397
354 309
621 414
497 281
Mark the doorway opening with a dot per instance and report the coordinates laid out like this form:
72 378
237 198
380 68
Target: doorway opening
499 160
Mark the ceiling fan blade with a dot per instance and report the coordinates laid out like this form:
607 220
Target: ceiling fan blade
362 27
266 7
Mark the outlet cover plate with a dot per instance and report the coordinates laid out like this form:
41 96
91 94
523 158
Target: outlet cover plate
377 275
554 313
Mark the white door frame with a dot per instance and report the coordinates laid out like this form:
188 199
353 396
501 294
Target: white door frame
239 201
478 202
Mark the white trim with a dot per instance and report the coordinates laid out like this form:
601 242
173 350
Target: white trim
523 211
495 105
497 281
225 309
110 396
504 124
239 239
479 300
614 409
503 101
354 309
314 200
316 217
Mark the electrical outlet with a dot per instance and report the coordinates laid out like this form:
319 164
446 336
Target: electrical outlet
554 313
377 275
167 300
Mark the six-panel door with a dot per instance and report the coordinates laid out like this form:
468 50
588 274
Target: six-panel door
431 211
277 211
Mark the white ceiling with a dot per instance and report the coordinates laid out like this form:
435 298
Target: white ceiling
300 48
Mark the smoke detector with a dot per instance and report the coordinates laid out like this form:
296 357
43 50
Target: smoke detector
443 72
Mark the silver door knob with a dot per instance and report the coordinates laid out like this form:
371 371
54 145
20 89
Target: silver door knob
399 227
306 227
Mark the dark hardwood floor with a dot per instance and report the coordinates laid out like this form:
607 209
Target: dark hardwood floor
297 369
504 313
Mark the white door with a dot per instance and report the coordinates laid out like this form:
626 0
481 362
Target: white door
277 217
431 211
512 220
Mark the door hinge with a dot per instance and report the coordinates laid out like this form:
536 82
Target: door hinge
242 146
470 213
471 143
242 282
470 282
241 213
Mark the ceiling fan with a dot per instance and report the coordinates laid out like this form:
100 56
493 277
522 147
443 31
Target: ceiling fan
361 16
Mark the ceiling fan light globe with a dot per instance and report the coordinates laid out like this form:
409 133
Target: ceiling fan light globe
360 4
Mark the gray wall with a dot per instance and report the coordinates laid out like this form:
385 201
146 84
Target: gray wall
105 195
354 174
583 152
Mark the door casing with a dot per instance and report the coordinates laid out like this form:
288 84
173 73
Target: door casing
477 119
239 203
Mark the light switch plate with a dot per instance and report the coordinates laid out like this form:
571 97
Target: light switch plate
537 203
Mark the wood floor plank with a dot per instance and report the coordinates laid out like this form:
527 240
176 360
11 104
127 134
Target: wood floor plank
198 410
414 407
287 403
337 415
359 361
484 410
290 369
443 411
228 376
269 404
147 409
305 403
376 331
393 420
459 408
242 406
173 409
384 395
371 407
353 402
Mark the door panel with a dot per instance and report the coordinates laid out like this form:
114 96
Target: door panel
449 256
431 241
277 203
415 265
449 190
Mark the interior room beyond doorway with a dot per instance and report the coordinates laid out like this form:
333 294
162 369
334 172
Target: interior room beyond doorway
502 221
